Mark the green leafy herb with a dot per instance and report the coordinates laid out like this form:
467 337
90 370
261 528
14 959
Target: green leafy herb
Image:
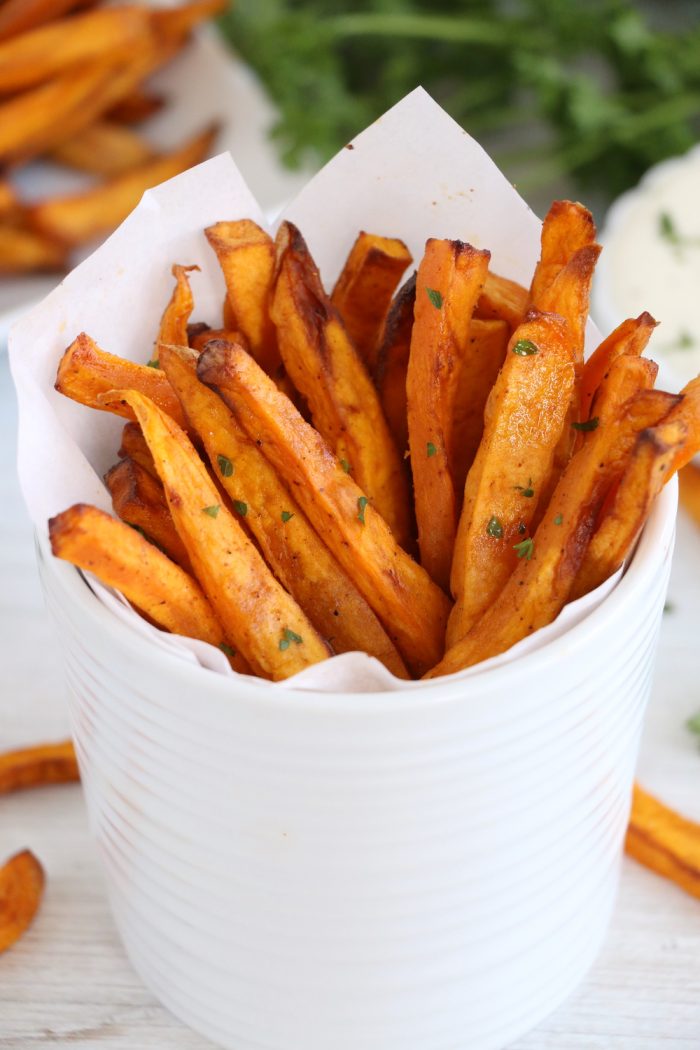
589 424
345 465
693 724
559 519
430 449
225 465
526 490
525 348
525 548
361 504
213 510
288 637
435 298
494 528
227 649
286 515
241 507
153 363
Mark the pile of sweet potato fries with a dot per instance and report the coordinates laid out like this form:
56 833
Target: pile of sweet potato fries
72 87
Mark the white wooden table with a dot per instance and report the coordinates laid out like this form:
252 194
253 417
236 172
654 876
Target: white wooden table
68 982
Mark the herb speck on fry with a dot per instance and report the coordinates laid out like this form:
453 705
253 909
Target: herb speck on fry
288 637
494 528
526 490
588 425
525 348
225 466
435 298
345 465
430 449
213 510
286 515
361 504
525 548
241 507
153 363
227 650
559 519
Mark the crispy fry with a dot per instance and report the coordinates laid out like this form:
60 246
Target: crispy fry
21 890
133 446
411 607
450 279
200 339
84 216
18 16
502 300
363 291
103 148
173 323
37 766
392 362
569 293
567 227
524 416
324 366
690 491
22 251
139 500
540 586
136 107
246 256
85 371
630 337
664 841
688 410
176 23
43 52
262 620
291 547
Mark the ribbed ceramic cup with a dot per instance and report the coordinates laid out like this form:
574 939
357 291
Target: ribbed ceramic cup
423 870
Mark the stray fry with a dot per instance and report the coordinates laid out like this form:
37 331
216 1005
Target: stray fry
103 148
38 766
567 227
173 323
663 841
21 890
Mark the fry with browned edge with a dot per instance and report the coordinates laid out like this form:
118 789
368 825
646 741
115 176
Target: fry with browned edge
21 889
31 767
392 362
411 607
567 227
174 322
630 337
133 445
664 841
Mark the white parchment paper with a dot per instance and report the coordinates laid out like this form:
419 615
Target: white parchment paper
413 174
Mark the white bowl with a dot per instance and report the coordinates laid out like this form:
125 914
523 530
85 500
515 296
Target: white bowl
426 870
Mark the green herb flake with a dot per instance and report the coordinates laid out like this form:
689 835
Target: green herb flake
667 229
288 637
588 425
227 650
345 465
693 724
225 465
525 548
153 363
241 507
430 449
525 348
361 504
559 519
669 607
213 510
286 515
494 528
435 298
525 490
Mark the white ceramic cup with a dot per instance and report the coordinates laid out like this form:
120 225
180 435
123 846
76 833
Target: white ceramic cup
428 870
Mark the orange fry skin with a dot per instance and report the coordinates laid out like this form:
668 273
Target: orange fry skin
689 479
392 362
411 607
450 279
23 251
103 148
569 295
630 337
324 367
133 446
502 300
363 291
38 766
664 841
524 417
21 889
136 107
18 16
174 322
291 547
567 227
85 372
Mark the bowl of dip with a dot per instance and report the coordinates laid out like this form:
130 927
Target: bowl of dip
651 261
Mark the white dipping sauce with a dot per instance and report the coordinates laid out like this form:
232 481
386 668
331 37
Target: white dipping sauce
653 261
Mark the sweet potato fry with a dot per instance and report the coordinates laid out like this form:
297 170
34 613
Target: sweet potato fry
246 256
103 148
690 491
291 547
411 607
502 300
133 446
524 417
84 216
18 16
42 53
540 586
664 841
569 293
450 279
260 618
173 323
123 559
392 362
363 291
567 227
21 890
199 340
139 500
324 366
22 251
136 107
38 766
85 372
630 337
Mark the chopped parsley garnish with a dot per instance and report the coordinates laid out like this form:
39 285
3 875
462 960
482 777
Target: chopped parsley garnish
286 515
435 298
227 649
525 348
670 233
589 424
153 363
526 490
345 465
225 466
430 449
494 528
525 548
559 519
288 637
213 510
241 507
361 504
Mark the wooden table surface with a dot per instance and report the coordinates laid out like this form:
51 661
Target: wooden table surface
68 982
